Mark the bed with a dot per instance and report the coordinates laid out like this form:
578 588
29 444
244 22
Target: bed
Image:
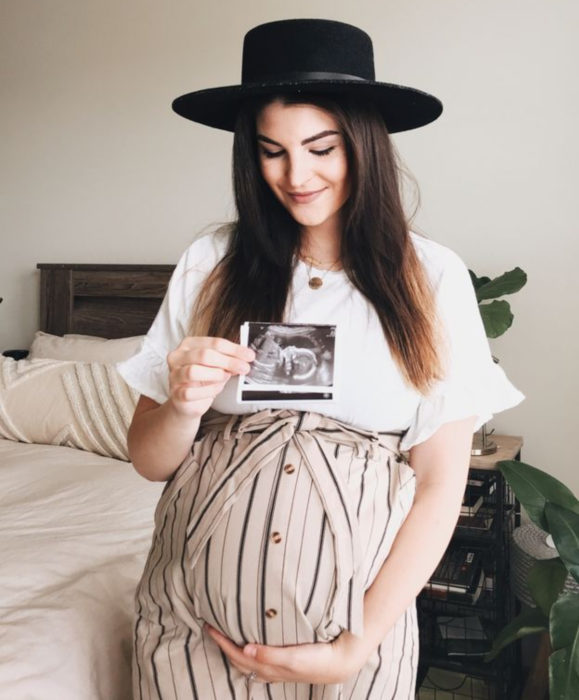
76 520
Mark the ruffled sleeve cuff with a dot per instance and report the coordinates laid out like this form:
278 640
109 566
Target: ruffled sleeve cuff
482 395
147 372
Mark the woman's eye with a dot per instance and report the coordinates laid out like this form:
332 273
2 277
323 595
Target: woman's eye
271 154
276 154
325 152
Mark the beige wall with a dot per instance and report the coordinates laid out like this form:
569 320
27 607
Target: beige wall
96 167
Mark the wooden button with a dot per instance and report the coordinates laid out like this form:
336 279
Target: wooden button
276 537
289 469
270 613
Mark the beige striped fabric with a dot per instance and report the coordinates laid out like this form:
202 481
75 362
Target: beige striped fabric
271 531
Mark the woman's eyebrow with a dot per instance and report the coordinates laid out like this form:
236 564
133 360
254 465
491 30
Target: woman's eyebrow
327 132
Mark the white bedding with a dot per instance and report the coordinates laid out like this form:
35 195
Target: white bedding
75 529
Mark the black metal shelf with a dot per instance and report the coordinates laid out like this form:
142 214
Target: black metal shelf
495 607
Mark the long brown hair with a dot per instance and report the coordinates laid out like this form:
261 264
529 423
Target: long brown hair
252 281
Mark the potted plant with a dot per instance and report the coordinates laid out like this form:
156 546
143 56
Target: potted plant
553 508
497 318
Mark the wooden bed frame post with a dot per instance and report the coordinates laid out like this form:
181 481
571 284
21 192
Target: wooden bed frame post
55 300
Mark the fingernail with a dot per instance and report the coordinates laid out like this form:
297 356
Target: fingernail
250 650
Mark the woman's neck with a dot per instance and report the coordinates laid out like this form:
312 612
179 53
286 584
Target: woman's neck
319 246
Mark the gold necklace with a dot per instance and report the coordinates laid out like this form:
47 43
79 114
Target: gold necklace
315 282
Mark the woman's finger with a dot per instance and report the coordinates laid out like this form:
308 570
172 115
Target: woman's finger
187 392
200 373
207 357
222 345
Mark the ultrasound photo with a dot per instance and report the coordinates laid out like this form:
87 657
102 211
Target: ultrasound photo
292 362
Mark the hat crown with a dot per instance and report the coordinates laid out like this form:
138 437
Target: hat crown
297 48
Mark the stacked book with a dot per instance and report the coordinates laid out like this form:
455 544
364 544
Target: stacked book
459 576
474 512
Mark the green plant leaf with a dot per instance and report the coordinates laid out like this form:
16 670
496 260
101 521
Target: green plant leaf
564 621
507 283
563 681
564 526
528 622
545 581
534 487
477 281
564 661
497 317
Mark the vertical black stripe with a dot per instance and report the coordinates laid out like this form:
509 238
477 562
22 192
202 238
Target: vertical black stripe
350 585
208 666
167 596
299 562
333 476
158 605
189 666
402 656
136 650
413 655
385 528
376 672
318 561
193 502
216 620
362 484
228 673
164 577
240 558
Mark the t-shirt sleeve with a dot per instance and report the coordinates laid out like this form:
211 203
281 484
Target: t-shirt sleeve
147 371
473 384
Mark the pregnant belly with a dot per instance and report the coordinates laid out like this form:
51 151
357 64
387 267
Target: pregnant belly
268 572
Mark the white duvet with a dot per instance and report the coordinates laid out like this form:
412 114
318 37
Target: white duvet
75 529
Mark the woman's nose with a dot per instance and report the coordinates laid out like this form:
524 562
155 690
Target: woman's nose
298 172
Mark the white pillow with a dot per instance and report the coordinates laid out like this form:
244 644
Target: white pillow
78 404
83 348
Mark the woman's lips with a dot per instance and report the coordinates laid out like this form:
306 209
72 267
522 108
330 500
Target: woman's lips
304 197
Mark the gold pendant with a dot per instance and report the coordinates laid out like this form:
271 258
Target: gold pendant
315 282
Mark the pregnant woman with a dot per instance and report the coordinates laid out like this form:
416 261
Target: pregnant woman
292 538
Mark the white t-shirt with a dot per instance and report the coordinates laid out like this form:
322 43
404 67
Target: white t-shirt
371 392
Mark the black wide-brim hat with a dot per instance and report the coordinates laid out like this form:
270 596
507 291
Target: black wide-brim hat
309 57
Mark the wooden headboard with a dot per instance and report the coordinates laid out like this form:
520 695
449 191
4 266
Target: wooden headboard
112 301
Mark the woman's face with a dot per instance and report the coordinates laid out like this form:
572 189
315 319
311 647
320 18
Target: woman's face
302 158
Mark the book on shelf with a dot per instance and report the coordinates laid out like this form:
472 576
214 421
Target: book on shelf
458 576
482 521
477 490
486 480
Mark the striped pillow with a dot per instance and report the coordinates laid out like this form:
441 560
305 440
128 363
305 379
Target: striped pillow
86 405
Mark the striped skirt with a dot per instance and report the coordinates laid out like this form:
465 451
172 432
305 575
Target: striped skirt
271 531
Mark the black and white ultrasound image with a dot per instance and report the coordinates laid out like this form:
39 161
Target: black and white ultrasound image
292 361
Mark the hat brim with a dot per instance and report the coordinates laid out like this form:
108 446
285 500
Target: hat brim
403 108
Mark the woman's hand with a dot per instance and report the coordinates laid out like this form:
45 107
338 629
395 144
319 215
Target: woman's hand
322 662
199 369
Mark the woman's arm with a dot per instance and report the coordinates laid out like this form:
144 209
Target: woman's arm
160 435
159 438
441 467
